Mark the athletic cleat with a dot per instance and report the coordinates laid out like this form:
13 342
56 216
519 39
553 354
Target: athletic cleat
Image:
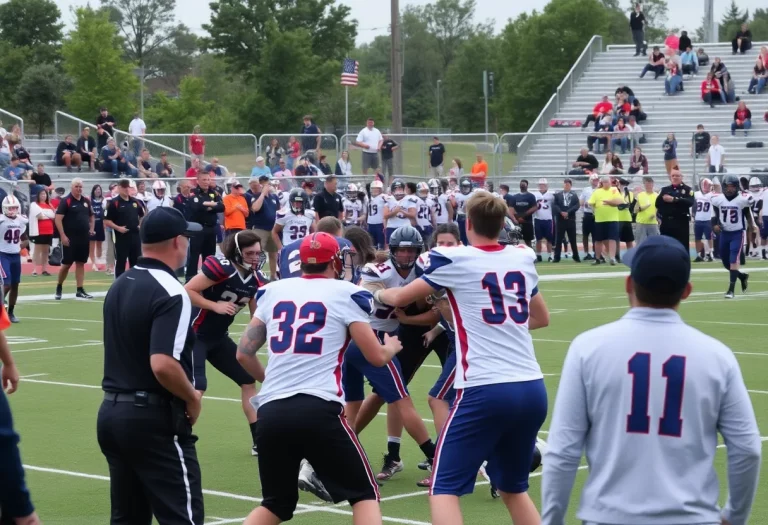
309 482
744 283
698 259
709 258
588 257
425 483
597 262
729 294
82 294
495 494
425 465
13 318
389 469
539 451
58 293
254 451
613 262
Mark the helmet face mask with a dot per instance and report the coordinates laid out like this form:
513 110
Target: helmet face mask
465 186
434 187
11 207
377 188
398 189
422 190
351 192
405 246
297 201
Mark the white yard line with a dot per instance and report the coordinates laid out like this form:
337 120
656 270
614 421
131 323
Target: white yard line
32 375
50 297
90 343
731 323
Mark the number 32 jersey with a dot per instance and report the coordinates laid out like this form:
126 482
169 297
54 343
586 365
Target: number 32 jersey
385 275
307 322
731 212
10 233
489 290
230 286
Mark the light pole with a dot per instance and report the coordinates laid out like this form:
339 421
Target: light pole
438 105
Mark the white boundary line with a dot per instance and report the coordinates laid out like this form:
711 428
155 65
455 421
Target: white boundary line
89 343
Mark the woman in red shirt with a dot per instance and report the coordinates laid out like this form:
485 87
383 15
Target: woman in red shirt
197 143
710 88
293 150
742 119
41 215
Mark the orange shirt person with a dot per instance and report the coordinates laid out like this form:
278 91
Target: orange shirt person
235 209
479 172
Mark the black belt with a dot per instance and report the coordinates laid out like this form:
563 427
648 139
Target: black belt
139 397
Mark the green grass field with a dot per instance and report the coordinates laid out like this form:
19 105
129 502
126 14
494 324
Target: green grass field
57 347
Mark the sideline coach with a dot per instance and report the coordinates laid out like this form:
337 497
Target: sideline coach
123 214
674 207
150 403
203 205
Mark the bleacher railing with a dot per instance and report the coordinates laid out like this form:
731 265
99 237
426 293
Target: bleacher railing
237 151
9 120
321 143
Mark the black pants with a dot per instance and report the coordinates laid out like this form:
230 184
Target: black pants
127 248
153 465
677 228
638 36
745 46
566 226
202 245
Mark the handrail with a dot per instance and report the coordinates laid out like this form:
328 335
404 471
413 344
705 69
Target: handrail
695 45
21 120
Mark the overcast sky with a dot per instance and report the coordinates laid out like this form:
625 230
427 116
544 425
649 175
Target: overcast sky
373 16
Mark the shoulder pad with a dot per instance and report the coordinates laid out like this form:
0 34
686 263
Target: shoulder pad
281 214
377 270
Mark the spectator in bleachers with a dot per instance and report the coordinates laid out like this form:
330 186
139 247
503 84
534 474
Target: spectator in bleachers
710 88
742 119
586 162
260 169
137 128
113 161
14 171
41 215
308 141
655 63
637 25
601 109
105 127
67 155
164 168
674 79
5 151
86 147
144 165
42 181
743 40
282 171
274 153
611 164
719 70
601 135
621 136
21 153
730 88
759 77
98 237
690 61
638 162
324 166
216 169
700 143
194 168
669 146
622 108
343 165
636 135
702 57
197 143
630 95
685 42
306 168
716 156
293 151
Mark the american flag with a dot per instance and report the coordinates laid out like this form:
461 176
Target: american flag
349 72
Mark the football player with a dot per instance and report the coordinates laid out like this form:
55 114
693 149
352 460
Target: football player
295 221
289 257
731 209
442 202
354 212
702 216
375 217
543 225
755 189
762 219
12 226
159 197
283 196
400 211
458 200
425 218
223 287
717 189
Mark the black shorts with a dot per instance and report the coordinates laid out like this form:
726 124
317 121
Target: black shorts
413 353
527 228
222 354
588 224
77 251
625 232
307 427
42 239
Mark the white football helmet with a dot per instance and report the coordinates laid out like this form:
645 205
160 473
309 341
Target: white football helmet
378 186
706 185
11 206
159 187
351 192
422 190
435 187
755 184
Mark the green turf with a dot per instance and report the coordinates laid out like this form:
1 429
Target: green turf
58 422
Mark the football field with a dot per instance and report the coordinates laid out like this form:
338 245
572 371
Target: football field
58 350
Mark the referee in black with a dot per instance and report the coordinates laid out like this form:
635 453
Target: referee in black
673 206
203 205
123 214
150 403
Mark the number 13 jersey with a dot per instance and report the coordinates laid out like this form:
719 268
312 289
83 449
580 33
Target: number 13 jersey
307 322
489 289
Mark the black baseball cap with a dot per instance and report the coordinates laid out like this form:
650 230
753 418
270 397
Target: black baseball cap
162 224
659 264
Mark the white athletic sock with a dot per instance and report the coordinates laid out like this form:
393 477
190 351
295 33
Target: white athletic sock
392 439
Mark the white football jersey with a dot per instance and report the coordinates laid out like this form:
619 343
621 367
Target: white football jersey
586 193
764 199
383 318
703 206
544 202
756 202
424 215
732 211
376 209
461 200
283 197
645 397
441 208
154 202
352 211
10 233
490 310
307 334
295 227
406 203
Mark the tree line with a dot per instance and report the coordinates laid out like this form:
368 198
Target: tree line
262 64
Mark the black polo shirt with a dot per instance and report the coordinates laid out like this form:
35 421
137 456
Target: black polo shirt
77 216
146 312
327 204
204 215
126 213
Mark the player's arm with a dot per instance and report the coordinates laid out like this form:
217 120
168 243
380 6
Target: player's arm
10 375
738 426
374 352
747 211
411 213
449 205
538 313
252 306
277 235
428 318
716 218
403 296
567 435
195 288
253 338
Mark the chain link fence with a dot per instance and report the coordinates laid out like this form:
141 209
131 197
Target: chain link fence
292 146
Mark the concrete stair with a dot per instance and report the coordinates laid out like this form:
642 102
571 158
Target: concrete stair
44 150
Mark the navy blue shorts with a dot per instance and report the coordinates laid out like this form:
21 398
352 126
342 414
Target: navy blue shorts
443 388
386 380
461 221
606 231
11 265
731 244
588 224
219 234
377 234
222 354
544 229
764 228
702 230
498 423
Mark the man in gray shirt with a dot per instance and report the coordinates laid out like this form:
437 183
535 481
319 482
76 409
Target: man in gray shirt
564 209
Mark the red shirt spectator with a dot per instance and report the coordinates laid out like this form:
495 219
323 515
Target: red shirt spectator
194 170
197 143
604 106
742 114
710 85
45 226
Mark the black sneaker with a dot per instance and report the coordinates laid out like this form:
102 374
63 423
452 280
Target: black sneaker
709 258
538 258
588 257
82 294
58 293
597 262
744 283
254 451
46 274
425 465
12 318
698 259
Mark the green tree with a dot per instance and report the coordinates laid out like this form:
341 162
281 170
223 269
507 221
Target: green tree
34 25
370 98
422 68
759 25
731 22
451 23
181 114
93 58
41 92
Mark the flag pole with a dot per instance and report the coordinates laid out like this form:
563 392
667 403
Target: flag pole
346 109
